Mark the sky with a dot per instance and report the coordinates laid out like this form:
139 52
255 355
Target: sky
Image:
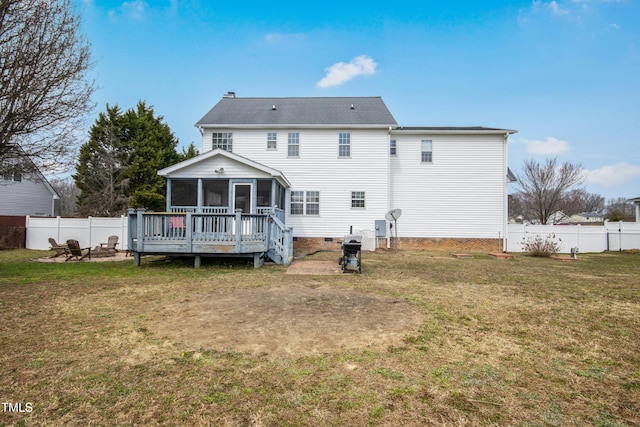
564 73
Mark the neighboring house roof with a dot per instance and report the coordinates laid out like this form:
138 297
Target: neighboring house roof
511 176
634 200
452 130
168 171
352 111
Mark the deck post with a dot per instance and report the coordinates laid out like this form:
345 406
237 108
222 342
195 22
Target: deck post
287 241
196 261
258 261
238 229
189 231
140 231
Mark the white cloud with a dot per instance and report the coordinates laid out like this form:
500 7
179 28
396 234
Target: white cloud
342 72
611 175
280 38
548 146
555 8
135 8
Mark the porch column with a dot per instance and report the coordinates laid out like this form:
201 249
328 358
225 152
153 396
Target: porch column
200 197
274 186
168 207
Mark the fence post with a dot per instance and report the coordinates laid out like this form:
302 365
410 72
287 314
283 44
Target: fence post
90 229
58 228
620 236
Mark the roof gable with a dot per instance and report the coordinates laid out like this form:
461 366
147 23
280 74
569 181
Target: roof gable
182 169
356 111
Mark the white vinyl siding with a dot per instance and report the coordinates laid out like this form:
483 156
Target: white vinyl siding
317 169
459 196
25 197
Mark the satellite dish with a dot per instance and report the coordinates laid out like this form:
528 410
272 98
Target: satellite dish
393 214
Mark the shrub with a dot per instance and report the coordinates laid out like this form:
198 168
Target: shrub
542 246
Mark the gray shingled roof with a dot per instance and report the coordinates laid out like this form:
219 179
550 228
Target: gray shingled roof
451 128
299 111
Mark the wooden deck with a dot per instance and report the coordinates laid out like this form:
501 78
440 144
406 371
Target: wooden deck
257 236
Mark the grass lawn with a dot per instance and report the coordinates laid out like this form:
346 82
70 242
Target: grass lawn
521 342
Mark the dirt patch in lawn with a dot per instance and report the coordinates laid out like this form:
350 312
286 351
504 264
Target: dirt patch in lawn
288 320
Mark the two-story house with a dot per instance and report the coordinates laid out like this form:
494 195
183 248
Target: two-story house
328 166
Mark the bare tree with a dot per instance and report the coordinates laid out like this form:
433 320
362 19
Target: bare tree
543 187
620 209
68 192
44 91
579 200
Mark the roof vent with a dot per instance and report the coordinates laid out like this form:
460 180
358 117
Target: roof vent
229 95
274 107
352 107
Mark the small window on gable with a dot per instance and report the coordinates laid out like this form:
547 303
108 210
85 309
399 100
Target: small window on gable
272 141
357 200
427 151
393 148
293 144
222 140
344 144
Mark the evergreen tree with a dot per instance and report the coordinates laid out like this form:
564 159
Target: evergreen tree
152 147
118 166
100 171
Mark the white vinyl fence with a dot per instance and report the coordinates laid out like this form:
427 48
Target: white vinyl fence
90 232
612 236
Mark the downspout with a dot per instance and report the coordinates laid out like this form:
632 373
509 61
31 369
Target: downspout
505 180
389 184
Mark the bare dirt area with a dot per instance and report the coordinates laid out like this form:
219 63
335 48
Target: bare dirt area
288 320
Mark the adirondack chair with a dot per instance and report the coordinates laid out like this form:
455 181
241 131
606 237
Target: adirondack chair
111 244
76 252
59 249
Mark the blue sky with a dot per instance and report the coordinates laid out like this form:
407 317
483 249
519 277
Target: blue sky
565 73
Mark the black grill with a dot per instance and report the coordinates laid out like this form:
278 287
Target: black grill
351 259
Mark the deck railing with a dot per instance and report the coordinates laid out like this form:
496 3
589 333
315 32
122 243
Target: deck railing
181 231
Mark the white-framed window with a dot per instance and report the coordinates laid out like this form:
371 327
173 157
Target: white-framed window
272 141
297 203
393 148
293 144
344 144
222 140
357 200
305 203
312 203
427 151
